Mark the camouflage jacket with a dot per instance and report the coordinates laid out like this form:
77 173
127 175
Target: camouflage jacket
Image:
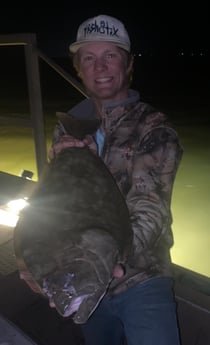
143 152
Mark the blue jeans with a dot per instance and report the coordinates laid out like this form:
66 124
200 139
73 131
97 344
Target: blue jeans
143 315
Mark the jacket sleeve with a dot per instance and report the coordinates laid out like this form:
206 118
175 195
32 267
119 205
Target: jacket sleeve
155 164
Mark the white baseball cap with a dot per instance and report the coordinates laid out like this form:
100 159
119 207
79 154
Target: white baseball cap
101 28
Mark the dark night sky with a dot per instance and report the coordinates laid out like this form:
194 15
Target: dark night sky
157 30
156 27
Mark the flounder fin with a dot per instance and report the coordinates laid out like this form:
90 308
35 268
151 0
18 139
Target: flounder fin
77 128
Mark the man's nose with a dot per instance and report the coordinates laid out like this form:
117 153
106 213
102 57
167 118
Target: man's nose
100 64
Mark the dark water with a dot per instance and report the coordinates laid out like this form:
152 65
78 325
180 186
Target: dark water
174 82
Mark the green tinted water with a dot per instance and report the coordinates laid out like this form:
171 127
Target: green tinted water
191 195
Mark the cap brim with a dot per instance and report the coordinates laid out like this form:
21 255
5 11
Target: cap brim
76 45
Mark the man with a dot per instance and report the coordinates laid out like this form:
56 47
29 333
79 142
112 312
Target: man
143 152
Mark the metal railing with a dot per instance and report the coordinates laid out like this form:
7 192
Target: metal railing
36 121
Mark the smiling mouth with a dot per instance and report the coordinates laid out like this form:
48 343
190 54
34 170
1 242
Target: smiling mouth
103 80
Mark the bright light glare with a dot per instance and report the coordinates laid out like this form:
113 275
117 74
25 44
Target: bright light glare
9 214
8 218
17 205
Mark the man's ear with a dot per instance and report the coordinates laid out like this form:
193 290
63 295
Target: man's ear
130 69
130 65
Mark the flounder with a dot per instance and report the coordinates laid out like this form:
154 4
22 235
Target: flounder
75 229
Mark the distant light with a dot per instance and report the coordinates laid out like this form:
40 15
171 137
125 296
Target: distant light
138 54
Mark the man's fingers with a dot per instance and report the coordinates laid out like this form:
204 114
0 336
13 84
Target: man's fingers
64 142
118 271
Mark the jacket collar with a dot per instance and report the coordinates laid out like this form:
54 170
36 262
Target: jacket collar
86 110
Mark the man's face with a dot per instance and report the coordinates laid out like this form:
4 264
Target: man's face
104 70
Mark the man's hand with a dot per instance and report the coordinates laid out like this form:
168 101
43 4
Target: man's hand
118 271
27 277
69 141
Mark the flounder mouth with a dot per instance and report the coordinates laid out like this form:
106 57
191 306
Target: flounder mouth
76 291
67 300
79 307
67 309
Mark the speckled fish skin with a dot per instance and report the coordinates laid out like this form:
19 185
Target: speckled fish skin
74 232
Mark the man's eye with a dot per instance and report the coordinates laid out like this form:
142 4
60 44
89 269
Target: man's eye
110 56
87 58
